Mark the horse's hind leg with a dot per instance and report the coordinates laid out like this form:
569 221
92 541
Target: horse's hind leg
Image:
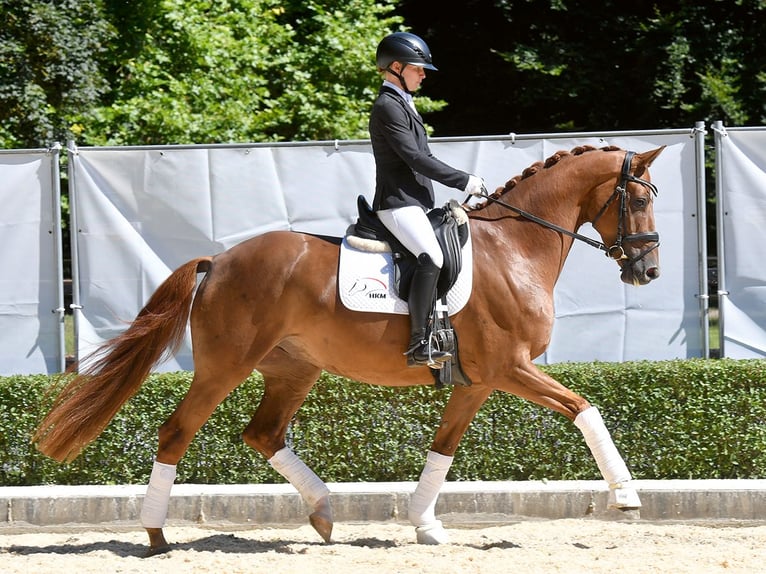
175 435
287 381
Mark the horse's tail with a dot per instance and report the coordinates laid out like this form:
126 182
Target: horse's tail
117 369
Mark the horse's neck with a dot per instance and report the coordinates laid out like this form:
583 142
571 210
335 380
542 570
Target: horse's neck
513 238
557 195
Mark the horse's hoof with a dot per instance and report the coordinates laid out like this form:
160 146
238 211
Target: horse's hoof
321 525
623 498
157 542
432 534
154 550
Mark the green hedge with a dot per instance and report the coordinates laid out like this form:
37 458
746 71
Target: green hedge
670 419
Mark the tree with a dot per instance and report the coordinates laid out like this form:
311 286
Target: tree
196 71
49 70
581 65
110 72
199 71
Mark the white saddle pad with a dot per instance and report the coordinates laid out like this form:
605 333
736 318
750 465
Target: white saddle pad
366 282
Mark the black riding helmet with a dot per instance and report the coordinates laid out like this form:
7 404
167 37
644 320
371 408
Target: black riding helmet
406 48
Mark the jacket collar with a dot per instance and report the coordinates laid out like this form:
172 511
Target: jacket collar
384 89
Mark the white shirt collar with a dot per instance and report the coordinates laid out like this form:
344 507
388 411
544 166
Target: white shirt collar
407 97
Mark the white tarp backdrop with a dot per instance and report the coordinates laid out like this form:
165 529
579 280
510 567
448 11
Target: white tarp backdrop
141 212
597 316
741 198
31 300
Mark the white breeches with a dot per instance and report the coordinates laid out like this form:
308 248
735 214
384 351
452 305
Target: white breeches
411 226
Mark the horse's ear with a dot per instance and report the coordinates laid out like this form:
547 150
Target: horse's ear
646 158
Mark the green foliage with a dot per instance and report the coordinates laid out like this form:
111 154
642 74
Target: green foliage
301 70
172 71
670 419
49 72
712 60
110 72
580 65
195 71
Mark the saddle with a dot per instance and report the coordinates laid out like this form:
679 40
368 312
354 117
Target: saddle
450 225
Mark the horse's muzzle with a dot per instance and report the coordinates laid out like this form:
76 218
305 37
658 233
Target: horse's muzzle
641 271
640 258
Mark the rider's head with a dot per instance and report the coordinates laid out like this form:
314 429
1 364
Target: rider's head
401 49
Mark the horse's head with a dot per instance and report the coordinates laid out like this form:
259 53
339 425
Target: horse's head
625 220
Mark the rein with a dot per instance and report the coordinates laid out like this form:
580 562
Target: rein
616 251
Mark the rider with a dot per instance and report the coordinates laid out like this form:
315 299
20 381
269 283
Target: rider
404 168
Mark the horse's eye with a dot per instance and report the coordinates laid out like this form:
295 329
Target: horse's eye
639 202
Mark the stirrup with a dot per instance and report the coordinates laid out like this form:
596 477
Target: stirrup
427 355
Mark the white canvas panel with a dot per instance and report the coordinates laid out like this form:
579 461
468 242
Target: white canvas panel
590 286
743 196
30 329
143 212
320 184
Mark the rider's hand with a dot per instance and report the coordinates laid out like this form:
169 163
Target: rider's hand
475 186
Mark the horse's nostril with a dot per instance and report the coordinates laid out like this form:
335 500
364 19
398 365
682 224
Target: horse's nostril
653 272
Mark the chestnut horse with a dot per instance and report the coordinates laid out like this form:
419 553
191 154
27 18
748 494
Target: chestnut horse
271 304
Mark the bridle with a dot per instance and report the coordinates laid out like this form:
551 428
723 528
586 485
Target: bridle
616 251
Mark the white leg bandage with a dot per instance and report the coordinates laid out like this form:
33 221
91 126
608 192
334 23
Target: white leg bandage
308 484
423 500
598 439
154 510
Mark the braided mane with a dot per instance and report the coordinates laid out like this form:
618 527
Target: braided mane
551 161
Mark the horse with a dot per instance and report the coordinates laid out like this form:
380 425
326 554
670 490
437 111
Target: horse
271 304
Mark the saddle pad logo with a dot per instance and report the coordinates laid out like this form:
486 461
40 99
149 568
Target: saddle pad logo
370 287
366 282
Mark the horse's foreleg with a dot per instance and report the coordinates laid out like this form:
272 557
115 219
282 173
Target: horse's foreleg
461 408
529 382
610 463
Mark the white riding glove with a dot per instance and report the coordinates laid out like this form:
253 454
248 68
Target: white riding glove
475 186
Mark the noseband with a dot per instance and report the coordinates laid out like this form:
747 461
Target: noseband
616 251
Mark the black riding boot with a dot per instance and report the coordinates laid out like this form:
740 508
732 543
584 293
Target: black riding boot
421 301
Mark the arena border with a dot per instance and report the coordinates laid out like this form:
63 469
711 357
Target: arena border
459 503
